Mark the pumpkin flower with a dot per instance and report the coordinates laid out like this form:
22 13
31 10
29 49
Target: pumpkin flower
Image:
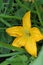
26 36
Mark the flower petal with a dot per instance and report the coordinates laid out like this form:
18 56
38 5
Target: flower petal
36 34
15 31
27 21
19 42
31 47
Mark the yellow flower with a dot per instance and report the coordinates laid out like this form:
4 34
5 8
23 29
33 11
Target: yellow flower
26 35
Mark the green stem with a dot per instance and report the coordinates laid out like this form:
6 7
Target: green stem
4 45
38 13
14 4
5 22
9 16
10 54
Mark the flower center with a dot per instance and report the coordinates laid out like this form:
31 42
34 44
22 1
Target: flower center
27 33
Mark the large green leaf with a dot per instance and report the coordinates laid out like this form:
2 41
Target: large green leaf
16 60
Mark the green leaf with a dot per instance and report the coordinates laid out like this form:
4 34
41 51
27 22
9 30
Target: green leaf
4 50
10 7
40 1
36 4
20 14
1 5
28 6
5 37
16 60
